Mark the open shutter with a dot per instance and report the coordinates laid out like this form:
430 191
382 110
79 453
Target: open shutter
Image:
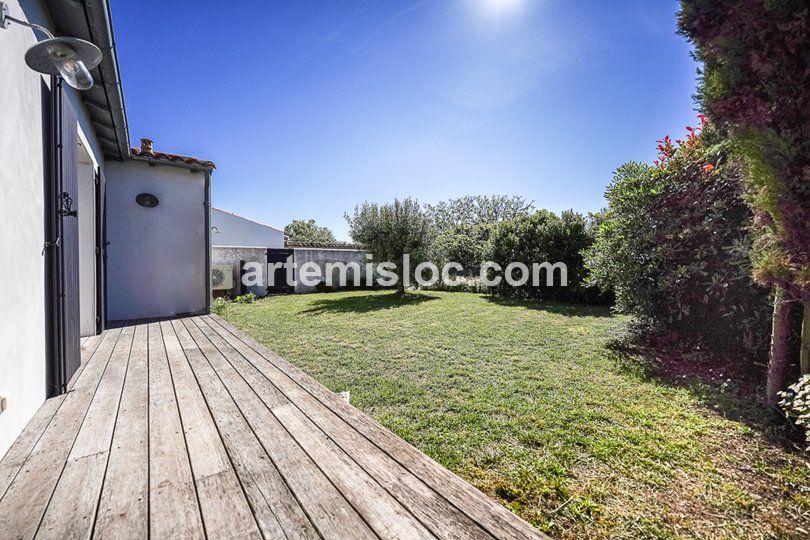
61 237
68 164
101 253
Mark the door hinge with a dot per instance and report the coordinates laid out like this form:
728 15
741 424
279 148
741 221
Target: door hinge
55 243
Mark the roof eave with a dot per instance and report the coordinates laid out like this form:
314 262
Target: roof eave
91 20
190 166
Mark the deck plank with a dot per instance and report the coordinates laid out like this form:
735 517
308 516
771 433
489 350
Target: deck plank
276 509
27 498
428 506
225 510
381 511
71 512
174 509
328 510
497 520
18 453
190 428
124 505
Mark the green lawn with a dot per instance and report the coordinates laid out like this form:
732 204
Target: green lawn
527 402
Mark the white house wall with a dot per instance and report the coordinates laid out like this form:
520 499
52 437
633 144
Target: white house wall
231 230
22 289
156 263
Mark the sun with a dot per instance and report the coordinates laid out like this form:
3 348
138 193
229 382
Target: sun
498 8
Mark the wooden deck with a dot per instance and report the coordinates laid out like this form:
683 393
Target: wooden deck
188 428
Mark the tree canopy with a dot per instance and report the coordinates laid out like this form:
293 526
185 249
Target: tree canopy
474 210
390 231
301 230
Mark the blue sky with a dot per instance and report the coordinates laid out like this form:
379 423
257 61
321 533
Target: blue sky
310 107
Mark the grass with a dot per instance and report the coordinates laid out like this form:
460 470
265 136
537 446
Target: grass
527 402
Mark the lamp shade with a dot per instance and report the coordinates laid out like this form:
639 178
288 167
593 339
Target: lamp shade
70 58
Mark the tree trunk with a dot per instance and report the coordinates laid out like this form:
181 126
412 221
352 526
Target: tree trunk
804 356
401 288
780 346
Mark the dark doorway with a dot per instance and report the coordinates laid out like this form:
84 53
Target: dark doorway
61 249
278 276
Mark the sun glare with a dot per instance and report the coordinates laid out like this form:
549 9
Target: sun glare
498 7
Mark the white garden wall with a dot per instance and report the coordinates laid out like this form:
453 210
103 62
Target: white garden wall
321 256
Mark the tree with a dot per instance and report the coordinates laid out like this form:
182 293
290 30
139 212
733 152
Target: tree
308 231
477 210
391 231
754 85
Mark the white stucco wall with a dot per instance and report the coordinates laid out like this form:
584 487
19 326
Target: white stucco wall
22 320
229 229
156 256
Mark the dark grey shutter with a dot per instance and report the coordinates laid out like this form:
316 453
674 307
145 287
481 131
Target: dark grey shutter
68 165
61 249
101 253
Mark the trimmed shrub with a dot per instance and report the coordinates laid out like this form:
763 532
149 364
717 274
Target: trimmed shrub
546 237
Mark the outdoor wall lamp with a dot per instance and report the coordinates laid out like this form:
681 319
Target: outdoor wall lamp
70 58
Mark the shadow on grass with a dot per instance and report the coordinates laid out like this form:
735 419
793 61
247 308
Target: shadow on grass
742 403
366 303
568 310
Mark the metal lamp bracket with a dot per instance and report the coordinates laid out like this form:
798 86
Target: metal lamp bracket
4 22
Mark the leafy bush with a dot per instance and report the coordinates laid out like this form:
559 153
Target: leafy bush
470 284
219 305
468 245
674 246
754 82
796 404
546 237
248 298
622 257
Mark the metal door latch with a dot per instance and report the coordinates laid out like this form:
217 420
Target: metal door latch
67 205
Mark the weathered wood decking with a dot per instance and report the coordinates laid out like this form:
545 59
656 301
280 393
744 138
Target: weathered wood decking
188 428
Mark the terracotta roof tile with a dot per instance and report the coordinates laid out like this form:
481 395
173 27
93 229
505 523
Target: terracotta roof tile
323 245
173 158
